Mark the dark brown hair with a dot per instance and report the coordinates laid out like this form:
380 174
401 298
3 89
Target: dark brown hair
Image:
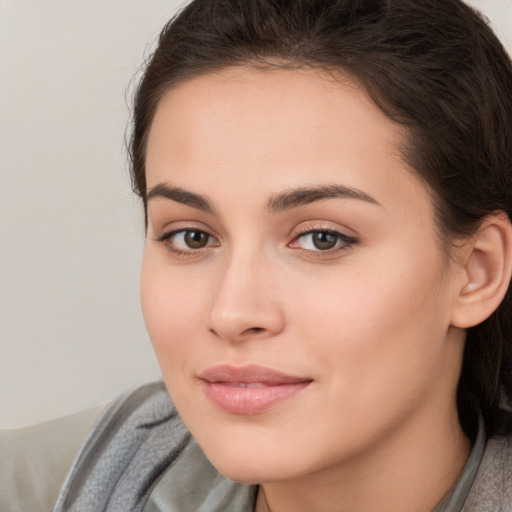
433 66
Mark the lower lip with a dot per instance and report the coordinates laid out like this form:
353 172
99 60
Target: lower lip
250 400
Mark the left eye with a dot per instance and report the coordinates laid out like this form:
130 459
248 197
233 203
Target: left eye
321 240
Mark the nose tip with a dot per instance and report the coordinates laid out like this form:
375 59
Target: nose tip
244 307
241 324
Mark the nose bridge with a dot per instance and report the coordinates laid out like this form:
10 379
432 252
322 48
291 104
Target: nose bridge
244 303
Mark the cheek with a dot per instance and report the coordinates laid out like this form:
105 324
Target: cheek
171 304
375 329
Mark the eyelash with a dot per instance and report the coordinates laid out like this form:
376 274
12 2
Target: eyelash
343 241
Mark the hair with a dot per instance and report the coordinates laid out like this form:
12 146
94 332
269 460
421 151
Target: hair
434 66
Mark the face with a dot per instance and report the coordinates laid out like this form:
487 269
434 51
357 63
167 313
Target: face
293 285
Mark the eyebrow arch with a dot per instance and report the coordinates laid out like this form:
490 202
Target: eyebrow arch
307 195
180 196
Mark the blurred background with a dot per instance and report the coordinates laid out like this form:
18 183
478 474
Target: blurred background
71 231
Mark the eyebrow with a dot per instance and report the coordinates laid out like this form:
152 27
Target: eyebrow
277 203
307 195
182 196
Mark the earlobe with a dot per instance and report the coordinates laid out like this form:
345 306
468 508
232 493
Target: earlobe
487 271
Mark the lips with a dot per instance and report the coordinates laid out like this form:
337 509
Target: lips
249 389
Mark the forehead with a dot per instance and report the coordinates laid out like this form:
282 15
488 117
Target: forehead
267 130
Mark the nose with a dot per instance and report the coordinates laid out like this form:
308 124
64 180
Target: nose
245 304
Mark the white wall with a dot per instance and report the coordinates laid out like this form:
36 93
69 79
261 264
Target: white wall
71 237
71 332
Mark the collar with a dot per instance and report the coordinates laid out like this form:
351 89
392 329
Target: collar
455 499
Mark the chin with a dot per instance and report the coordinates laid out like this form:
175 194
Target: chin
246 472
253 466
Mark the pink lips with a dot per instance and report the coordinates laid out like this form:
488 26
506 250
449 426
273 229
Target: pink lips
249 389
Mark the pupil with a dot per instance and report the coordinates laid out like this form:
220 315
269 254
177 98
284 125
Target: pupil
196 239
324 241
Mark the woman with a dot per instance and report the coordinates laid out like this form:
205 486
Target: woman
327 189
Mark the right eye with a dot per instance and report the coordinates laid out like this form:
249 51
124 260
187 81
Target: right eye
188 240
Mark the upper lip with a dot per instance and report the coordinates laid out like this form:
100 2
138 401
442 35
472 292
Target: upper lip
248 374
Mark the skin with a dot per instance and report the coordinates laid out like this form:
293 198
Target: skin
369 321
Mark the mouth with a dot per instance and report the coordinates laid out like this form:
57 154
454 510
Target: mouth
249 389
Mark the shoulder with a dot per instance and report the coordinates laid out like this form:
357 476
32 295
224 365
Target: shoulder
135 439
140 455
137 455
34 460
492 488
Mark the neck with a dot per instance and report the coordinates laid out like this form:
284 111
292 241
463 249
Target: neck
411 471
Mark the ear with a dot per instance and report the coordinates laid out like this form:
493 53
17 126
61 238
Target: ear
487 270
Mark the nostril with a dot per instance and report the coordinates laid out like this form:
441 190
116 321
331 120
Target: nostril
253 330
